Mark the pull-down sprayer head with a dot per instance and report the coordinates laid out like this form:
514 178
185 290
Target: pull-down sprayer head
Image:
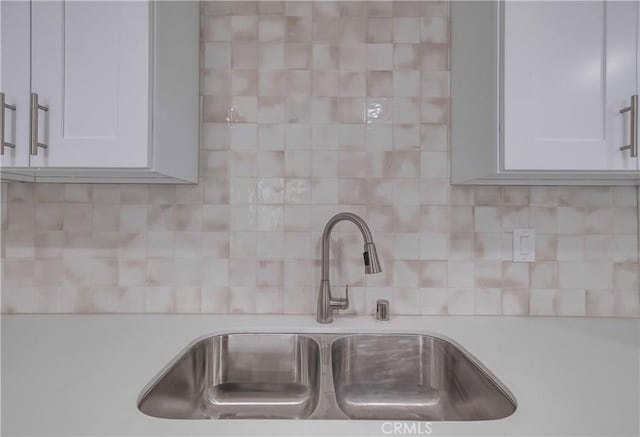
371 261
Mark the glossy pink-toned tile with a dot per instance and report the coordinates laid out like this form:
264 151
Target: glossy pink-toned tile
379 57
326 29
243 244
379 30
76 300
434 165
49 272
187 300
406 137
515 275
488 301
131 245
298 56
460 301
214 300
217 55
270 218
351 191
131 300
353 28
272 29
353 57
297 218
105 300
296 273
461 196
188 245
434 57
77 193
270 273
515 302
216 29
599 274
406 109
19 244
298 83
435 191
297 301
514 217
433 274
625 276
243 217
571 275
434 30
159 300
22 216
434 246
270 245
49 244
434 301
132 272
626 304
571 303
272 109
544 275
406 273
215 271
269 300
405 300
162 194
159 272
20 193
244 28
543 302
546 247
298 8
45 192
488 274
298 29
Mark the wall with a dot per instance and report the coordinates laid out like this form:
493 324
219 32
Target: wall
308 110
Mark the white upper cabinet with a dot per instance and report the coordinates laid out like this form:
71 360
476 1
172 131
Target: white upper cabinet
15 82
549 79
90 67
102 76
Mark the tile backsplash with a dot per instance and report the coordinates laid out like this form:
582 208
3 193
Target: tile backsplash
309 109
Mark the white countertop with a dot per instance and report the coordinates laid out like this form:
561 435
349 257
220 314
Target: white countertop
81 375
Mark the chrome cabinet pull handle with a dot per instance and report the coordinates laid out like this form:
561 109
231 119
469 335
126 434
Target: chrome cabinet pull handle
4 106
35 106
633 131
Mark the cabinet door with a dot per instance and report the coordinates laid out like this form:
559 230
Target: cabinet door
14 80
569 67
90 67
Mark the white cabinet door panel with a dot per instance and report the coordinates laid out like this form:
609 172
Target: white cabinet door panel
568 68
14 79
90 67
622 79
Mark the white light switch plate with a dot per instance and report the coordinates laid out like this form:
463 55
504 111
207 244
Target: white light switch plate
524 245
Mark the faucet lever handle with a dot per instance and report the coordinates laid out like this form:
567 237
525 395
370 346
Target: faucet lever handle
341 303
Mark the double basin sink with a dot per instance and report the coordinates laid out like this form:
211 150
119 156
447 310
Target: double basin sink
326 376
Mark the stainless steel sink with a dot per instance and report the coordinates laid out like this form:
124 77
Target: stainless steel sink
326 376
414 377
270 376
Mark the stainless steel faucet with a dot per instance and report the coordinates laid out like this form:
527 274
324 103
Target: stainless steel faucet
327 303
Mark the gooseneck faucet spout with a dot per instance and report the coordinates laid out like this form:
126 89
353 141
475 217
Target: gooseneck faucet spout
327 303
